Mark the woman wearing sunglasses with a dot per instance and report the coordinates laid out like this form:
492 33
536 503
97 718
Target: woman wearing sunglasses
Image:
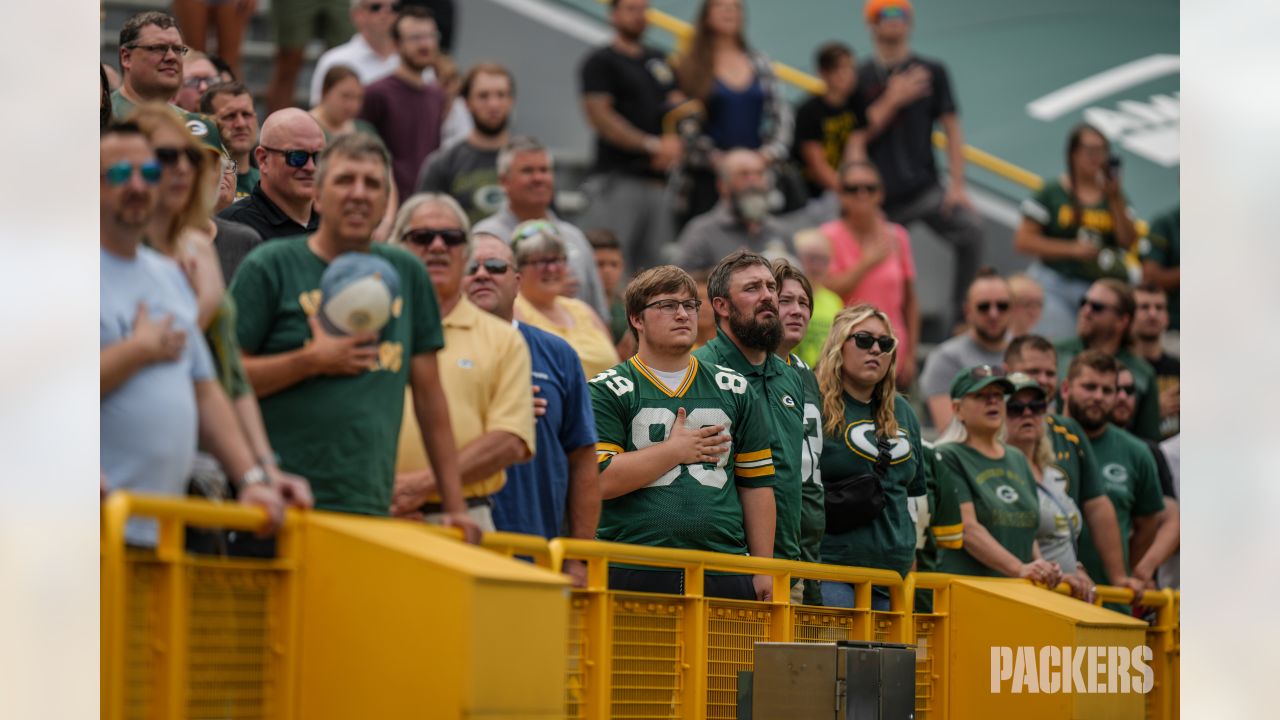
871 260
1058 535
986 487
871 437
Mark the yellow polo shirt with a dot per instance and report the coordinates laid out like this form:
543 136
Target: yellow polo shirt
487 379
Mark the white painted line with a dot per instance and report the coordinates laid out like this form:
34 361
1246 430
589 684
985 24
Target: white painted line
1078 94
559 18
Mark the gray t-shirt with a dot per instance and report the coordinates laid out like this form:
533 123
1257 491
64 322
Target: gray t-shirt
148 425
1059 520
581 258
466 173
949 358
716 233
233 243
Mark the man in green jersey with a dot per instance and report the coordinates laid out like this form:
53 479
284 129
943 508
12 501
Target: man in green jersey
1035 356
151 52
673 430
1125 464
333 404
1104 323
795 308
744 297
231 106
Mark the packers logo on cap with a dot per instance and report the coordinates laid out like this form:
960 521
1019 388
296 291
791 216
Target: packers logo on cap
197 128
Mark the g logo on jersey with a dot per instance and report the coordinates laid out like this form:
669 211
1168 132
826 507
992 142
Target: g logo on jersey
1007 494
861 438
788 401
1115 473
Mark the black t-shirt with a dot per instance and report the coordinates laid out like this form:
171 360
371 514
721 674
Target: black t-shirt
639 88
829 125
903 151
258 212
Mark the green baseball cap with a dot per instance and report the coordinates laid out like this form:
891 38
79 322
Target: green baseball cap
1022 381
974 379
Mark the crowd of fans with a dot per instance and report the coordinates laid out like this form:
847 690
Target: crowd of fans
722 352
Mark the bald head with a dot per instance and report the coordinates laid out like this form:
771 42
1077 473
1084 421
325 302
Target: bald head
284 130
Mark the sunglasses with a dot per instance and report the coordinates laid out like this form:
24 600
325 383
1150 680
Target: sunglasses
380 6
1096 306
860 189
864 341
546 263
493 266
121 172
1016 408
1000 306
169 156
424 236
1129 390
295 158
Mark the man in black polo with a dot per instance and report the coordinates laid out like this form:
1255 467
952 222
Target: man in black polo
280 206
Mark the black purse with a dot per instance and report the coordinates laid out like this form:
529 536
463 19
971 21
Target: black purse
853 502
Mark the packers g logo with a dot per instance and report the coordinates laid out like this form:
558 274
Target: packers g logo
788 401
861 438
197 128
1115 473
1007 494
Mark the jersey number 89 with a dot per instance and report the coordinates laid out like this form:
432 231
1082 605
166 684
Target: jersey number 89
706 474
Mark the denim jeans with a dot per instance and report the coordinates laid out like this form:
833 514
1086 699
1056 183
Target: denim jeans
838 594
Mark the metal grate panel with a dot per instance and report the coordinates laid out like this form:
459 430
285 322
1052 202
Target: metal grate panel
229 670
647 647
575 681
732 631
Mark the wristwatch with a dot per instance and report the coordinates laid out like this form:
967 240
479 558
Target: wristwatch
254 476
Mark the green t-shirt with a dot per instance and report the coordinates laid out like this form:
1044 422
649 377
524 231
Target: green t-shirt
201 126
1163 245
1129 476
1052 210
778 387
889 541
1073 455
246 182
825 306
694 507
1004 497
1146 413
340 433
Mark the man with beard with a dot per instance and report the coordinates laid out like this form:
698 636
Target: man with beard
407 111
744 298
332 404
281 204
740 220
986 312
1104 323
1150 321
468 170
231 106
1128 470
626 88
672 431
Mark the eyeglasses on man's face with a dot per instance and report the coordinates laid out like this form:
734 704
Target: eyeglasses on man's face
669 306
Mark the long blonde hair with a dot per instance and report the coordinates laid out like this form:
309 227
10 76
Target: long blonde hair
830 373
198 207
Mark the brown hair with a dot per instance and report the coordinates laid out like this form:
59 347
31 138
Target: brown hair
152 117
335 75
1095 360
718 281
485 68
235 88
132 27
1013 353
830 372
658 280
783 270
696 71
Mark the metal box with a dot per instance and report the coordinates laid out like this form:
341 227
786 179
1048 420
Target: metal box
833 681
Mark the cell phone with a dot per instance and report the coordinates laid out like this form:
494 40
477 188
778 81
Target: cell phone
1113 166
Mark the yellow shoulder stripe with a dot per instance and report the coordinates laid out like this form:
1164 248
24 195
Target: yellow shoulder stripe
747 457
608 447
765 471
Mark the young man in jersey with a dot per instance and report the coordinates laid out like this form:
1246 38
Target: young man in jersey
744 297
673 430
795 307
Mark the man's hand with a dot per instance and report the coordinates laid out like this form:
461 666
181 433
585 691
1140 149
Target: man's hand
957 196
470 530
909 85
539 403
694 446
764 587
157 339
262 496
1082 586
668 154
1042 572
577 572
294 490
338 355
410 491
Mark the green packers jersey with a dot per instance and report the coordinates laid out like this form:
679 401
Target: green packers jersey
1073 455
888 541
246 182
694 507
1053 210
945 527
779 388
813 510
1004 497
1129 475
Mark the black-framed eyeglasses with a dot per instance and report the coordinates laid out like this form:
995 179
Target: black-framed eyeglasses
860 188
546 263
1129 389
295 158
122 172
169 156
493 266
198 81
161 49
669 306
864 341
424 236
1001 306
1096 306
1017 408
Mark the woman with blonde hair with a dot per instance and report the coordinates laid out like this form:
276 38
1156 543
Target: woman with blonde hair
872 459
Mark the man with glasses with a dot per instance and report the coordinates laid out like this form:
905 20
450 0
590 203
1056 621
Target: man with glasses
684 449
744 299
986 312
557 493
158 390
281 204
198 75
525 171
151 67
231 106
484 368
370 52
1105 323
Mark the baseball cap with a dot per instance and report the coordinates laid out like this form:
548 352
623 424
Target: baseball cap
974 379
1022 381
876 9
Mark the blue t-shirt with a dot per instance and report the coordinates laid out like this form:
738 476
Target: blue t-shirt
533 500
148 425
734 116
